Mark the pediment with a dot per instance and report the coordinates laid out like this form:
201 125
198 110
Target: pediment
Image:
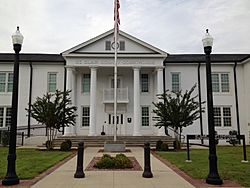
97 45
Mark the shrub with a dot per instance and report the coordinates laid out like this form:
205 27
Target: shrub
158 145
164 147
105 162
233 141
65 146
119 161
5 138
69 142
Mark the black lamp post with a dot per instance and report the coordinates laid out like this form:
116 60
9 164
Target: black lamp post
213 176
11 178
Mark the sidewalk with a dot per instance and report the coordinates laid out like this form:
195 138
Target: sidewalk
63 177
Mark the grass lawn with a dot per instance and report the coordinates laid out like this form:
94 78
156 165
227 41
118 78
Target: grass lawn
31 162
229 163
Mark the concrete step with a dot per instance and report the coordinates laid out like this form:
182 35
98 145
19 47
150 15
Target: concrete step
100 140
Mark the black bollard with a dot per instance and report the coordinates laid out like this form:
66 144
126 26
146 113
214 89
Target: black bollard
147 167
79 168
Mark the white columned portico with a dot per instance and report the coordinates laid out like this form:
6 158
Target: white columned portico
71 84
137 110
93 81
161 131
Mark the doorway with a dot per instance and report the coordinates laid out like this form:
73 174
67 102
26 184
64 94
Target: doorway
121 129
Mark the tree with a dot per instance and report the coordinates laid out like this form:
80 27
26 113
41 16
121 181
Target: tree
177 110
54 111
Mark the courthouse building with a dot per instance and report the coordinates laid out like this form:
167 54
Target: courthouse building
143 72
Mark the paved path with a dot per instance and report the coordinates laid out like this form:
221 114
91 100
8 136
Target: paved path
64 176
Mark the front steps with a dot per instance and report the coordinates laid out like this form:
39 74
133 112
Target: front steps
98 141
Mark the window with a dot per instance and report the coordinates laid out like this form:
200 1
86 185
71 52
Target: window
85 116
107 45
144 83
122 45
6 81
220 82
222 116
86 83
51 82
145 115
5 117
175 82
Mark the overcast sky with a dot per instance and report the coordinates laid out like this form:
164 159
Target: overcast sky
175 26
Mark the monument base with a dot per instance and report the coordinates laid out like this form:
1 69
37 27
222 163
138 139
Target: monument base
114 146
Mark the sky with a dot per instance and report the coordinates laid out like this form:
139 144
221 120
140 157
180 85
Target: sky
174 26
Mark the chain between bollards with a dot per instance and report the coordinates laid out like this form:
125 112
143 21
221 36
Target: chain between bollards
147 166
79 168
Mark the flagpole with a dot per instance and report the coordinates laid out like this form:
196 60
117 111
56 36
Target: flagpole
115 75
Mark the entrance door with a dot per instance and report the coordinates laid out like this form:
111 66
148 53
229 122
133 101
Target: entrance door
120 124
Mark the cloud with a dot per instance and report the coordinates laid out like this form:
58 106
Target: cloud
175 26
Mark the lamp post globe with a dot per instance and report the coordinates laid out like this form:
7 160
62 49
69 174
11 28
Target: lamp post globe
11 177
213 176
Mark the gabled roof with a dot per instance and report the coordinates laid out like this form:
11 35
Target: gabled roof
200 58
9 57
121 33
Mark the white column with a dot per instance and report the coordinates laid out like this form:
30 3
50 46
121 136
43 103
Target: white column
161 131
70 131
137 110
93 78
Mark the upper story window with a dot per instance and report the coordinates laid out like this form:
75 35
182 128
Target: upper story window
107 45
5 117
6 82
144 83
86 83
176 84
222 116
122 46
220 82
52 81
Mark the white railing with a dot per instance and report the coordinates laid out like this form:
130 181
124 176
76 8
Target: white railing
122 95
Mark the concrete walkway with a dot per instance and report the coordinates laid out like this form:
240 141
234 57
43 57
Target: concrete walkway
64 176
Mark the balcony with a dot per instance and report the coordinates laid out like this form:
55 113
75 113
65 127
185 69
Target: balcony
122 95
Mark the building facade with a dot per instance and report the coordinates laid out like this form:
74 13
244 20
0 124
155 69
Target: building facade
143 72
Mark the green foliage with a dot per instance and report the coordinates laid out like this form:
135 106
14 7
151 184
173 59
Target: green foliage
177 109
65 146
164 147
233 141
158 145
120 161
54 111
5 138
69 142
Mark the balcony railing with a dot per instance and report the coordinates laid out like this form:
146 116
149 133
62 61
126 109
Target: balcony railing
122 95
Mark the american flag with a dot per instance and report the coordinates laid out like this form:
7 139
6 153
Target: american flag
116 14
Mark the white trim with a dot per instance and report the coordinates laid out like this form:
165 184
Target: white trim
121 33
48 73
179 73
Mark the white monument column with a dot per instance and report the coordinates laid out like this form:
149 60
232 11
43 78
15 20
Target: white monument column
137 110
70 85
161 131
93 78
